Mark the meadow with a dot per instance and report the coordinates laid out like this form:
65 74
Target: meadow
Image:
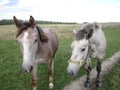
13 78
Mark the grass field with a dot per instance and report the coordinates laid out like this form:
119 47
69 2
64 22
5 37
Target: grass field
13 78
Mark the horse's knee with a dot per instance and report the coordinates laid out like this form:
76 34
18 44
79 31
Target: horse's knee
98 68
50 71
34 81
88 69
51 68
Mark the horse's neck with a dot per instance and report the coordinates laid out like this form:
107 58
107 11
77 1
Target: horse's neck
41 48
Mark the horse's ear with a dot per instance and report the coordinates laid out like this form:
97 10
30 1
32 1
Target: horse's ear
17 22
32 21
74 32
97 25
89 34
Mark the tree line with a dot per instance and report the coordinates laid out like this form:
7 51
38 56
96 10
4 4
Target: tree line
10 21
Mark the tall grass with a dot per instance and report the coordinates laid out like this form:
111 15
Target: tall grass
13 78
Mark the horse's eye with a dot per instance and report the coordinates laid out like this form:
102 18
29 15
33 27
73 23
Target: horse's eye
35 40
83 49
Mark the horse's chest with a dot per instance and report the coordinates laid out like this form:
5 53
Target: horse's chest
42 60
93 51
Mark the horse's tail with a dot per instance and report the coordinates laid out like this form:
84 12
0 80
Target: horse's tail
97 25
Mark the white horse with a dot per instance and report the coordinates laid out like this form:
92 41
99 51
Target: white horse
89 42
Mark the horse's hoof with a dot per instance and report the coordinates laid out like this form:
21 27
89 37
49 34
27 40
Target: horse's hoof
99 84
51 86
87 85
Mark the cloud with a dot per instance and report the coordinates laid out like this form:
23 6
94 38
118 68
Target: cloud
62 10
12 3
12 7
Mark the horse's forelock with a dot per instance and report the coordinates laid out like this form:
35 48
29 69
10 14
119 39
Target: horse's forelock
25 26
80 34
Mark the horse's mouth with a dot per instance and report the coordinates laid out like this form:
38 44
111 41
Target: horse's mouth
72 74
28 71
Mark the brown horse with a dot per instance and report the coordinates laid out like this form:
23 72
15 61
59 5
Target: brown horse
37 46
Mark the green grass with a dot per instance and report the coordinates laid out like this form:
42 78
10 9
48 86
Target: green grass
112 80
13 78
113 40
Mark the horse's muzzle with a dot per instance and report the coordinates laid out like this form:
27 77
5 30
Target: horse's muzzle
71 73
27 69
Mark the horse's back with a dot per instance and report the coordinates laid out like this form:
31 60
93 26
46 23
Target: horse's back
99 41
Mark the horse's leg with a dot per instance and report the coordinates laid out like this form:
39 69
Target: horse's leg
87 83
98 68
50 73
34 77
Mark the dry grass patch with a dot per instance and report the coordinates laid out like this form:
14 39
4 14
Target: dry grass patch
64 31
8 32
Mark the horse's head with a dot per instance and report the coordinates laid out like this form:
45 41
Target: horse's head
80 48
29 38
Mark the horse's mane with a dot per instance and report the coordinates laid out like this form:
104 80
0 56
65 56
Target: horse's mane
42 35
89 26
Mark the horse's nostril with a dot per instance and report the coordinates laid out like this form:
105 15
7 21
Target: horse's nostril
27 69
31 68
71 73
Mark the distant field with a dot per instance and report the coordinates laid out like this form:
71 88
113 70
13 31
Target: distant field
13 78
8 32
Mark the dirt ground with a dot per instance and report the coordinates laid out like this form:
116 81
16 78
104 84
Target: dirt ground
106 67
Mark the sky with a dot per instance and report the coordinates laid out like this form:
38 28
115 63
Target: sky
62 10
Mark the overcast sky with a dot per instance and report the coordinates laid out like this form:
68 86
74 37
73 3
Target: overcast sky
62 10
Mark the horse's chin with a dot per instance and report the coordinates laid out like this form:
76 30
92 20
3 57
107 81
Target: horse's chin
73 75
28 71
